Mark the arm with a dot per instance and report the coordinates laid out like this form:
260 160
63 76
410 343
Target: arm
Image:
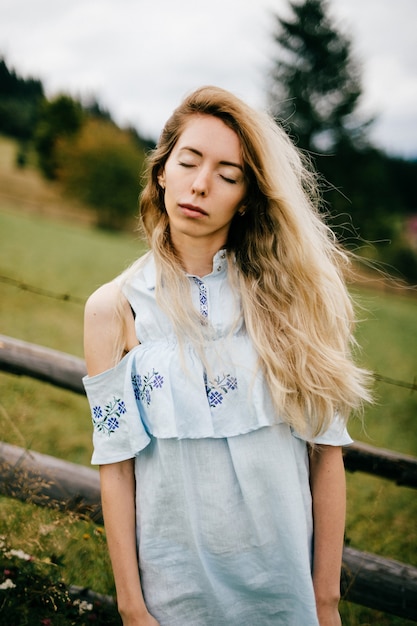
118 502
328 488
103 330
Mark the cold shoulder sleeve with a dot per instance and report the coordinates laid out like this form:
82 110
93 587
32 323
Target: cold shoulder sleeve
119 433
335 435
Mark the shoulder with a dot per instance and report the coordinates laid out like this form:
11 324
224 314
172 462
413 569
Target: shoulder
103 304
104 327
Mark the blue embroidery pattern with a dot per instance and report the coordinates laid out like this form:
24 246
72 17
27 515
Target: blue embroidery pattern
203 296
107 421
144 385
217 388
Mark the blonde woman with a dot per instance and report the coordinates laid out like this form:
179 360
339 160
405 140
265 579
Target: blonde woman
220 380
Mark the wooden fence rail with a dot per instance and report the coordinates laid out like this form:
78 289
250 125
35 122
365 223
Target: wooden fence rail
401 468
382 584
63 370
51 366
367 579
47 481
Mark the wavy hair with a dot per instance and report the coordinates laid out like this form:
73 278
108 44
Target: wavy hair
284 261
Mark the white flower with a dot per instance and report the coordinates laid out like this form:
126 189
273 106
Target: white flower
8 584
20 555
83 606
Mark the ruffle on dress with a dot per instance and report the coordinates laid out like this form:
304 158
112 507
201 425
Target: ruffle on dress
163 390
149 395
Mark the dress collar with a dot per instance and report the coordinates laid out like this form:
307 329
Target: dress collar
219 265
219 268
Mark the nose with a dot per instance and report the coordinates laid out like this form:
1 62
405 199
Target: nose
201 183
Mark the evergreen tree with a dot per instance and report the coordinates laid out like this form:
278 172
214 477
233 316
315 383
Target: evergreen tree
315 89
60 118
315 81
20 101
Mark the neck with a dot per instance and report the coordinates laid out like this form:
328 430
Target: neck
197 255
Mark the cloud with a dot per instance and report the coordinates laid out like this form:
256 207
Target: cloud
140 58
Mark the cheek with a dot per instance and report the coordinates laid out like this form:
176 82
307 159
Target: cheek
168 199
172 183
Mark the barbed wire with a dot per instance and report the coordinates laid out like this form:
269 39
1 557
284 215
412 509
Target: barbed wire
398 383
39 291
65 297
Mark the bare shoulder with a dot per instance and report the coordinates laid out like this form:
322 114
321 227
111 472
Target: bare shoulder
104 327
104 302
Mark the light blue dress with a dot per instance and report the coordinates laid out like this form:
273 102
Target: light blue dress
224 522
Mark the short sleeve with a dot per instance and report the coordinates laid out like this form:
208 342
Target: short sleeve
119 433
335 435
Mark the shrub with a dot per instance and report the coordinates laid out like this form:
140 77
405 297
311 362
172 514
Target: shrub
101 166
32 592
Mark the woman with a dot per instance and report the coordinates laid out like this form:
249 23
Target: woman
220 380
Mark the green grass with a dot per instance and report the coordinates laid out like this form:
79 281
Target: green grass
381 516
77 542
63 259
74 259
389 342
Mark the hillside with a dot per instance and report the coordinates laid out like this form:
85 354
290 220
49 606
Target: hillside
24 189
65 255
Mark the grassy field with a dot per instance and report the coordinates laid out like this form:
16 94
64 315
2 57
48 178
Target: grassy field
70 257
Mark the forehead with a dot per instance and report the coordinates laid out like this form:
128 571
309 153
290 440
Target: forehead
206 133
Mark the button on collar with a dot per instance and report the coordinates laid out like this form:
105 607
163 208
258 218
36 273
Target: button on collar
220 261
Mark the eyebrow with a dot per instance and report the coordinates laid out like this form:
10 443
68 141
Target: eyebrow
200 154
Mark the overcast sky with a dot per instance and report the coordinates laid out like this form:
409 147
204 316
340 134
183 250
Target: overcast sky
140 57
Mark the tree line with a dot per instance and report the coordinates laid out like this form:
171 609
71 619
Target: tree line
76 143
314 90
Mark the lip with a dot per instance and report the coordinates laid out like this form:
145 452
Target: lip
192 210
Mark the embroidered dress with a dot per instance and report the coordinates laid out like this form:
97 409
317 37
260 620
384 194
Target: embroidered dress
224 522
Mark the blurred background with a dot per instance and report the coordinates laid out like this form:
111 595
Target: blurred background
85 88
101 78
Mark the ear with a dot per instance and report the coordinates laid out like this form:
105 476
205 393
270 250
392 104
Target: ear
161 180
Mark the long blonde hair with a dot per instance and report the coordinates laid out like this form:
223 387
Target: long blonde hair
284 261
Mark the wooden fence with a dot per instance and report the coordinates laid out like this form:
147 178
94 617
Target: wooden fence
367 579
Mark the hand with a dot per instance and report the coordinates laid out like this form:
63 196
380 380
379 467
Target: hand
145 619
328 615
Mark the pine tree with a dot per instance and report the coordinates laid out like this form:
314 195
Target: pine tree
315 81
20 101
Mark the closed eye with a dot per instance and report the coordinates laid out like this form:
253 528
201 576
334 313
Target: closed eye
229 180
